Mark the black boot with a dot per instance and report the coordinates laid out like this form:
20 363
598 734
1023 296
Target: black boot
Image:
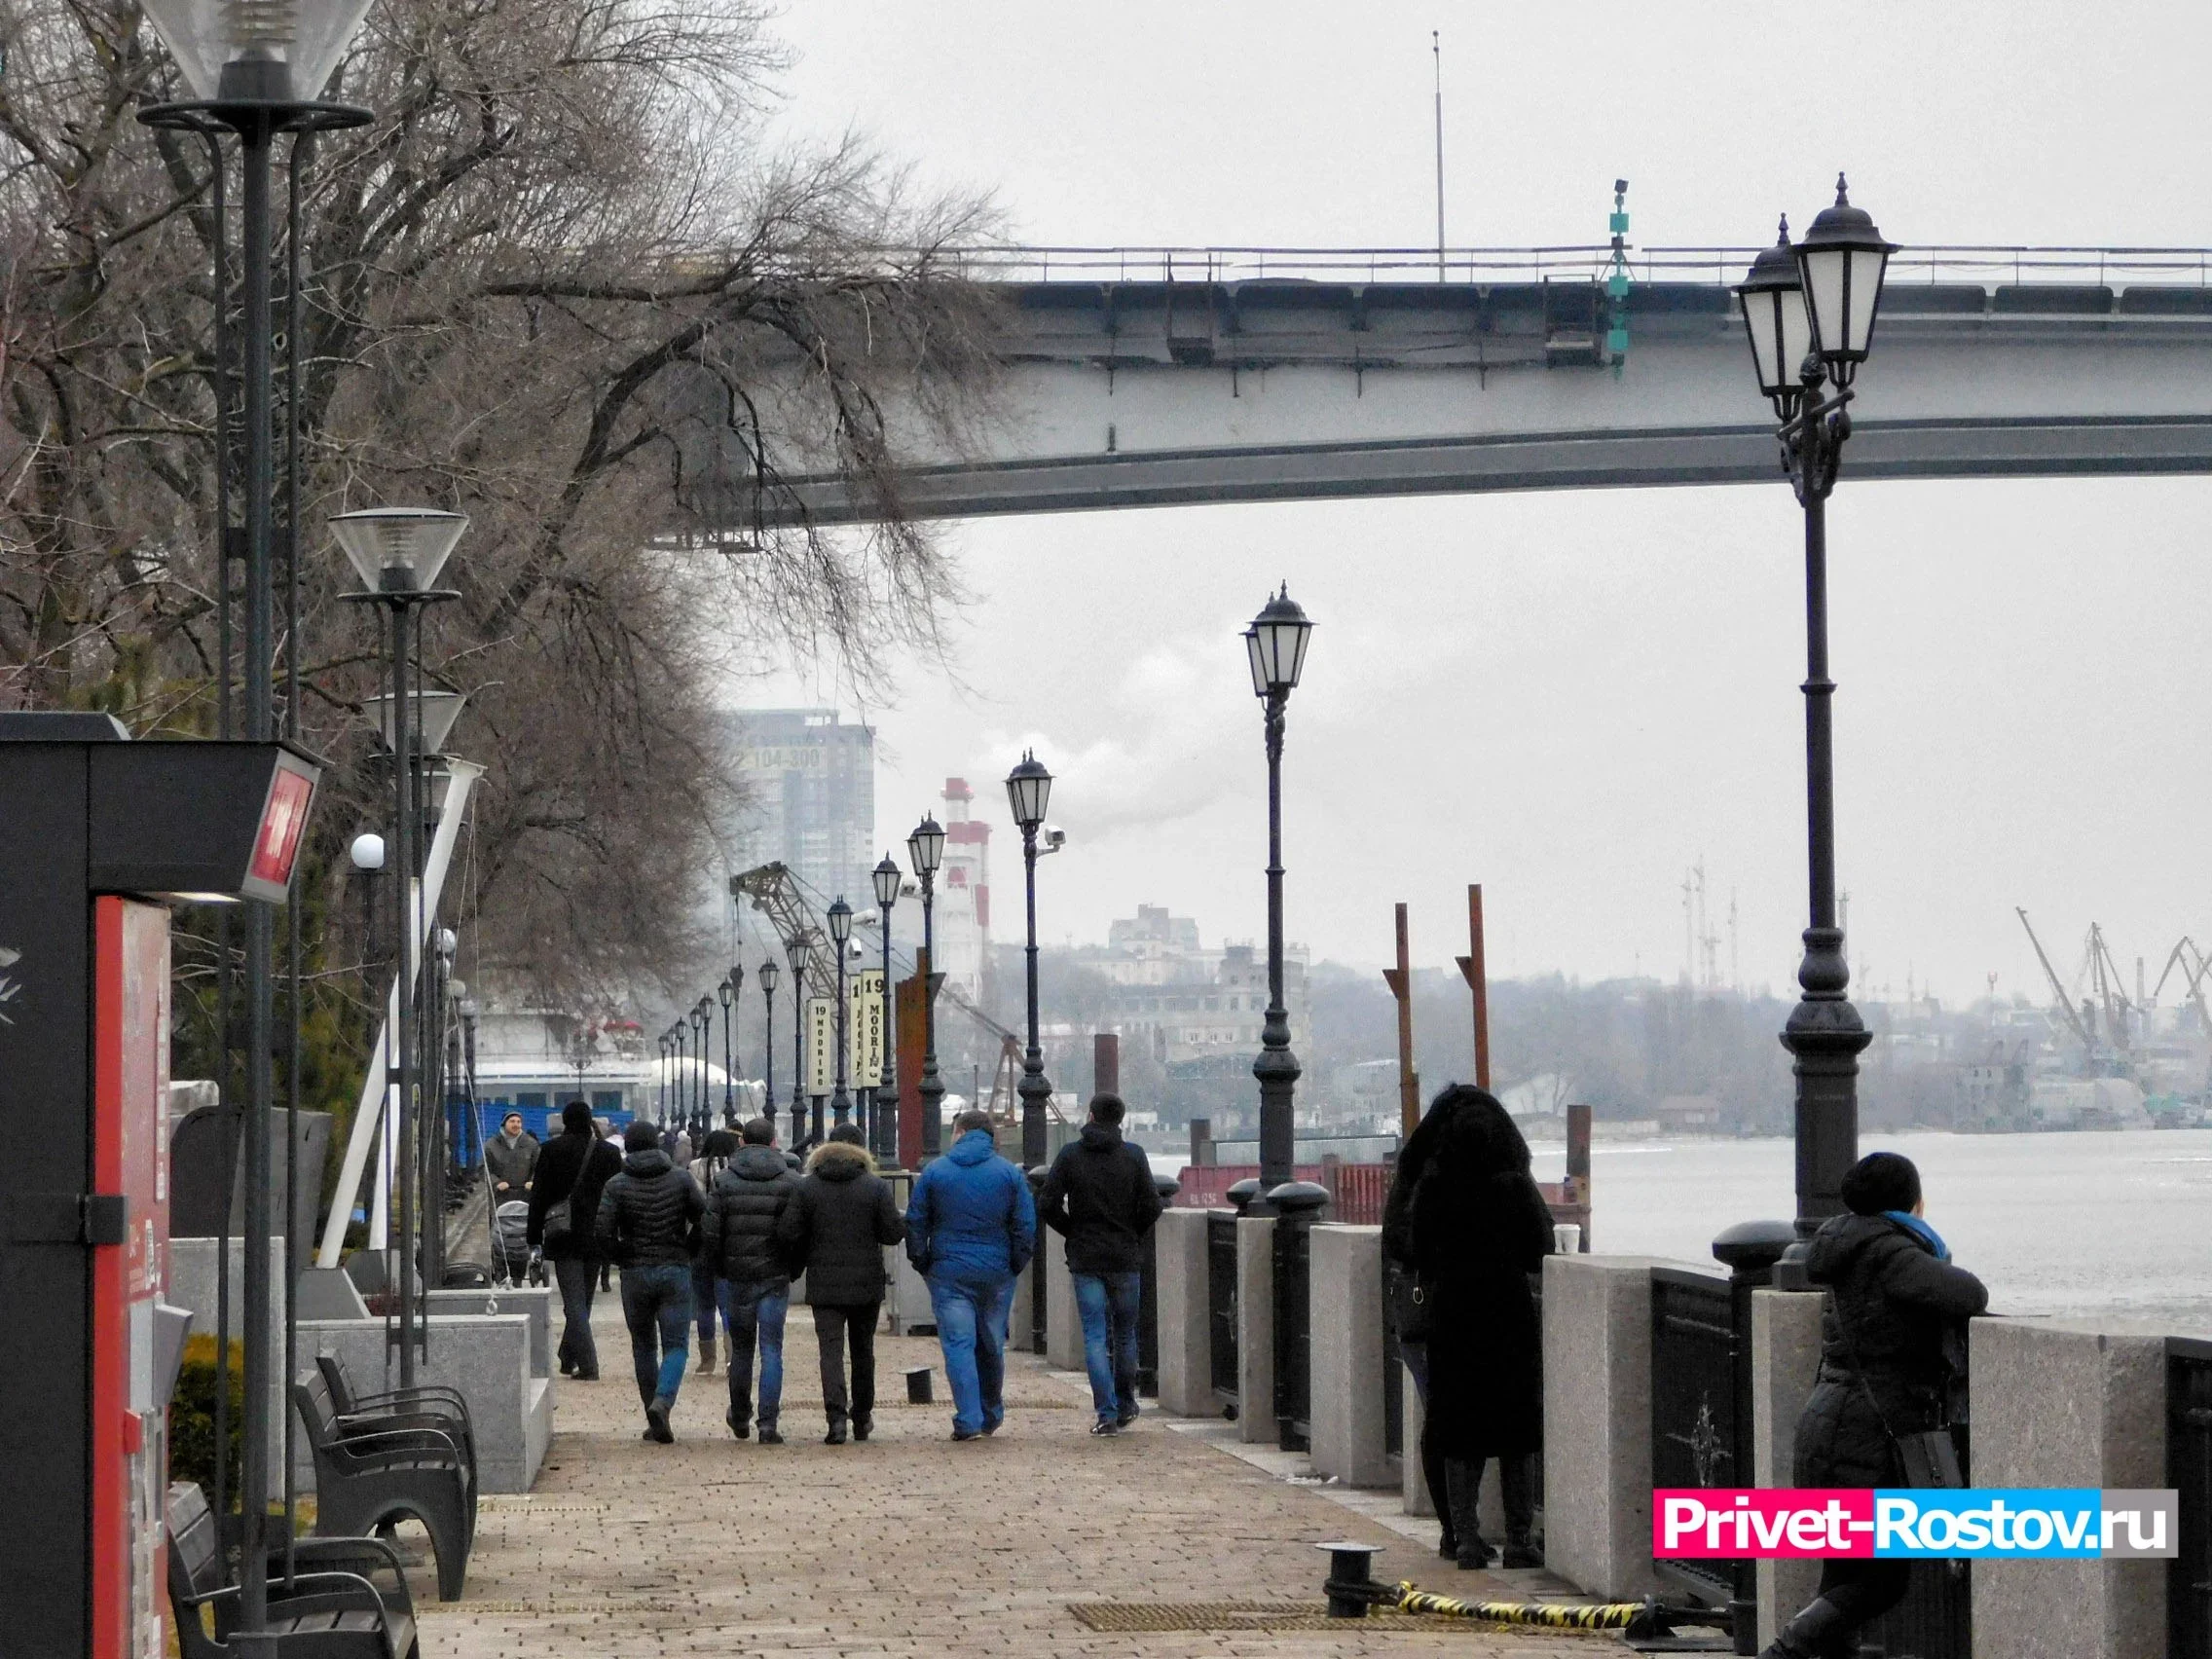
1517 1483
1439 1493
1463 1485
1819 1632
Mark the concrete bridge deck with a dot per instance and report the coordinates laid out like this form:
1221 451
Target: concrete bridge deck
911 1545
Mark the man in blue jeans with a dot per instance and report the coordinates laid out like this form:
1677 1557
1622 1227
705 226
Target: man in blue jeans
752 1280
1100 1197
648 1224
971 1228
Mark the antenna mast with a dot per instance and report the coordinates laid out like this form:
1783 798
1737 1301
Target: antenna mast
1436 50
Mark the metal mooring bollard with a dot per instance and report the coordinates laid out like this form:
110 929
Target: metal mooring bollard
1350 1584
918 1386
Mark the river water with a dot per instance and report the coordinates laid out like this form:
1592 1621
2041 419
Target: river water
2115 1225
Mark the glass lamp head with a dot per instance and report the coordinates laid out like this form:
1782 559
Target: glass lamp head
257 51
770 976
434 713
799 952
1274 645
1772 297
1028 790
840 920
724 992
887 877
925 847
1841 262
398 550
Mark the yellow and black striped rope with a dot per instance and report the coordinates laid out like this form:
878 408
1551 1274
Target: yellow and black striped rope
1609 1615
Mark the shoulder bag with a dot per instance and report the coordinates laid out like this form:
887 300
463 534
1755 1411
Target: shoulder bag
1410 1304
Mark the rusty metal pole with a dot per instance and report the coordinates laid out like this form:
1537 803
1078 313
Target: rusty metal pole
1400 979
1105 1063
1477 976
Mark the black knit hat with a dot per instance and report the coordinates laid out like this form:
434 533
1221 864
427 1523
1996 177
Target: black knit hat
575 1117
1881 1181
640 1137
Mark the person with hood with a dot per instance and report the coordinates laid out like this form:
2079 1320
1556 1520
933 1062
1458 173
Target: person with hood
1480 1227
1100 1196
510 1159
1891 1335
572 1172
1409 1297
648 1224
752 1283
970 1229
833 1231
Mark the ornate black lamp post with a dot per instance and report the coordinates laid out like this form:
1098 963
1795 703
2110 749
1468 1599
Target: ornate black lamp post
727 990
1810 312
667 1054
703 1023
767 975
675 1077
799 952
841 936
1028 790
887 880
1276 647
925 851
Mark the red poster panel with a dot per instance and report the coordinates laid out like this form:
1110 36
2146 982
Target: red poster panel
912 1036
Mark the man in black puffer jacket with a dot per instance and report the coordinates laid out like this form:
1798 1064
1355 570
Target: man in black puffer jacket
749 1196
648 1224
834 1230
1894 1324
1100 1195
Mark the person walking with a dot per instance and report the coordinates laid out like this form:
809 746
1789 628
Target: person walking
750 1281
1100 1197
510 1159
1410 1305
1892 1346
572 1170
833 1231
970 1229
1480 1227
648 1224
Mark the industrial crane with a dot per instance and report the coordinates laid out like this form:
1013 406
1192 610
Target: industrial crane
2060 992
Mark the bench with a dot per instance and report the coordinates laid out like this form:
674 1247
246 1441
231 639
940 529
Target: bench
365 1479
428 1406
331 1608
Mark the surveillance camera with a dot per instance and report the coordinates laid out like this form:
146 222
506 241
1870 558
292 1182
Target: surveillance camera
1055 838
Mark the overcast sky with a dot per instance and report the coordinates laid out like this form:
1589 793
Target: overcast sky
1573 698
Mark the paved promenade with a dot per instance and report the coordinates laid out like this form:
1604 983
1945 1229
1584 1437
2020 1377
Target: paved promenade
908 1545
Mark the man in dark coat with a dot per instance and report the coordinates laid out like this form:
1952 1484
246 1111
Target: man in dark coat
739 1243
833 1231
1100 1196
1894 1322
510 1160
649 1223
572 1170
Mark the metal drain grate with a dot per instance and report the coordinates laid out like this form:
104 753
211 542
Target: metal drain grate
1163 1616
567 1607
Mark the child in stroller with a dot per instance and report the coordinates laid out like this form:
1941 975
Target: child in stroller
513 1260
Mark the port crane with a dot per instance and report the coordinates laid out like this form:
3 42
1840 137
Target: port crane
2096 1057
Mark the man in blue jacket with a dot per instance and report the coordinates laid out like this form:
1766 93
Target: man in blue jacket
971 1228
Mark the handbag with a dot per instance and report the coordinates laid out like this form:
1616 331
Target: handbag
560 1223
1410 1305
1928 1457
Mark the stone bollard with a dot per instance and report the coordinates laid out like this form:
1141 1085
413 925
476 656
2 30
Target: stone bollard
1748 1250
1298 1205
1240 1193
1185 1315
1148 1297
1036 1302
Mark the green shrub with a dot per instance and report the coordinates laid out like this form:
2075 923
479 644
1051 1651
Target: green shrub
192 1418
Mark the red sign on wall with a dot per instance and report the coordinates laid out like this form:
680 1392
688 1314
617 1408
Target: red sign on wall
277 843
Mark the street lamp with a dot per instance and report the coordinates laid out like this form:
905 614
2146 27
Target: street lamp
1274 645
841 934
799 952
729 991
1028 790
703 1025
887 882
925 851
660 1095
767 975
1810 312
398 553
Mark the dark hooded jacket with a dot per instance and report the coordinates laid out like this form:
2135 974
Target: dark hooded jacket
739 1233
1100 1195
575 1165
649 1215
1891 1322
835 1228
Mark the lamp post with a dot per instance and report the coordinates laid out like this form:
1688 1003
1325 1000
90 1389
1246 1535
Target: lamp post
841 934
674 1073
1274 645
703 1025
1028 790
728 995
925 851
767 975
398 553
1810 310
887 880
660 1095
799 952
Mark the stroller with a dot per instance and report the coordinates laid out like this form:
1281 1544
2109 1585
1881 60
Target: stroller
513 1260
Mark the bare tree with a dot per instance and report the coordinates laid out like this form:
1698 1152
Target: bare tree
562 284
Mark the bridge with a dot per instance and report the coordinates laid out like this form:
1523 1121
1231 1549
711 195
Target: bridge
1169 376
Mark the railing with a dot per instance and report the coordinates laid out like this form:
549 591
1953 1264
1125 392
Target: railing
1693 1404
1220 1308
1293 1242
2189 1471
1393 1374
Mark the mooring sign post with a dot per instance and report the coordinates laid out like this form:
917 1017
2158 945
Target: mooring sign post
98 834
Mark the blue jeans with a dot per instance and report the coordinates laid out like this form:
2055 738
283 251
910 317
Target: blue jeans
1108 1305
971 1329
656 1306
751 1308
